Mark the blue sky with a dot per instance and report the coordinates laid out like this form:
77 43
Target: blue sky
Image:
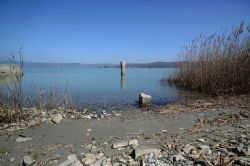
107 31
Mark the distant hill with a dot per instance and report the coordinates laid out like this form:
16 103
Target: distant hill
153 65
80 65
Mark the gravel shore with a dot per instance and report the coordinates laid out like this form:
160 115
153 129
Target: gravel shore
210 135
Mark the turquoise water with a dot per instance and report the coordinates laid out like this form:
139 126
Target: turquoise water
101 87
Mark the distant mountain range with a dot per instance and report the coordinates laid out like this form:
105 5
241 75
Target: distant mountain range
80 65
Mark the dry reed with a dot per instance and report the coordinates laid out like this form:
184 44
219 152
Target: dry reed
217 64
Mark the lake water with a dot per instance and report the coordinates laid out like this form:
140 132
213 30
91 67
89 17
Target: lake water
101 87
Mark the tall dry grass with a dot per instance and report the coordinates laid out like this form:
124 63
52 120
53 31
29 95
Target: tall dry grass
216 64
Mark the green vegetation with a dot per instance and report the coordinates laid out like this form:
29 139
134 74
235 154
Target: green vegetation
216 64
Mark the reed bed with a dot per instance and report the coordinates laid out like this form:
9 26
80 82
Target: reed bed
217 64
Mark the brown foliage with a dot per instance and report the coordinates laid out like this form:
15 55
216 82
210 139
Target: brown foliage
216 64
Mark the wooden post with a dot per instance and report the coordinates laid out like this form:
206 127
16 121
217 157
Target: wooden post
122 81
123 67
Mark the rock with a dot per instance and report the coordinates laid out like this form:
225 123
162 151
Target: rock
205 150
72 157
72 160
164 131
132 162
201 140
120 144
151 158
89 158
134 143
90 155
99 156
247 151
77 163
178 157
142 163
88 116
97 163
123 143
140 151
12 159
23 139
122 160
57 118
28 160
104 163
144 99
161 163
187 148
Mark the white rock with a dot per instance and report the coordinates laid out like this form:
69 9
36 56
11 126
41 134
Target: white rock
205 149
57 118
144 99
72 161
188 148
134 143
77 163
88 117
89 161
90 156
99 156
23 139
28 160
180 157
72 157
97 163
201 140
120 144
12 159
140 151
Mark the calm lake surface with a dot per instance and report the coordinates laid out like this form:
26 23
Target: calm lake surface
101 87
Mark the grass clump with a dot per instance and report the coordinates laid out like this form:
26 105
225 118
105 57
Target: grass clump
216 64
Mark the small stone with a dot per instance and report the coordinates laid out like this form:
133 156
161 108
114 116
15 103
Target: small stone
161 163
28 160
97 163
205 150
104 163
122 160
118 114
164 131
142 163
89 161
23 139
247 151
90 156
72 157
201 140
134 143
99 156
120 144
169 146
88 117
188 148
12 159
180 157
57 118
140 151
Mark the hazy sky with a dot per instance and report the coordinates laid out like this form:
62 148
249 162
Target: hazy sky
107 31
